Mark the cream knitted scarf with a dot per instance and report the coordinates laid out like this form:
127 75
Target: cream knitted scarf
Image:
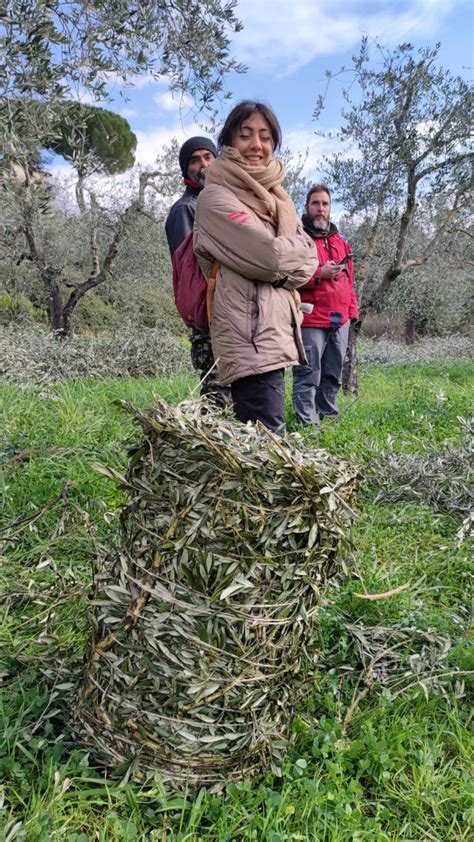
257 187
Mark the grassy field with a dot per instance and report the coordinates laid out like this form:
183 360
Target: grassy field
382 748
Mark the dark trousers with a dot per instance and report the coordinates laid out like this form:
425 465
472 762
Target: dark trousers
261 397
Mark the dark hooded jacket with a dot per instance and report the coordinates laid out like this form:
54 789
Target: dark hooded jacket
181 218
334 301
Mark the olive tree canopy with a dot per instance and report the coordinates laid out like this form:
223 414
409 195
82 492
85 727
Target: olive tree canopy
407 126
53 51
51 47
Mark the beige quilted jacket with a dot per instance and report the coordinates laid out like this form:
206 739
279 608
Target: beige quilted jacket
255 325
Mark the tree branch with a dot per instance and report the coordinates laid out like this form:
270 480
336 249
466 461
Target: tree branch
374 235
435 140
437 236
93 235
399 121
439 165
98 276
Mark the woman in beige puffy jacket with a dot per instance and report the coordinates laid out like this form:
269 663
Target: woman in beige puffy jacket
248 223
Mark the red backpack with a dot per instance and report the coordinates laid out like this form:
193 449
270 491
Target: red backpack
190 286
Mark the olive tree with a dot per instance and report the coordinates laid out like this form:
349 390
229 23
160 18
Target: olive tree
406 124
52 51
52 246
436 297
297 182
104 230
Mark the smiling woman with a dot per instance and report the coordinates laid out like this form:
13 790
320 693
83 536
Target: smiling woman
248 223
254 141
249 122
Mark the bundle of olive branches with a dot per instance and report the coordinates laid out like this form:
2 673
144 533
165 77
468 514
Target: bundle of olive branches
204 613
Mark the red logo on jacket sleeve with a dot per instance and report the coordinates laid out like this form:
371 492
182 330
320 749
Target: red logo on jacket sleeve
240 217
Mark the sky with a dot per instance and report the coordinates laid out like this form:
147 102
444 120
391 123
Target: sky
287 45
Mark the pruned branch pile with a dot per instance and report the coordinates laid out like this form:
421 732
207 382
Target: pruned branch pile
204 616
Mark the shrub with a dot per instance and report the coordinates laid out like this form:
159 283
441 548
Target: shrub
381 326
143 301
96 314
156 308
16 307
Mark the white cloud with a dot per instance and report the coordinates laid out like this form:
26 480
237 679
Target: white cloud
110 191
150 143
118 88
62 171
300 140
64 178
139 82
281 39
84 96
169 101
135 81
128 113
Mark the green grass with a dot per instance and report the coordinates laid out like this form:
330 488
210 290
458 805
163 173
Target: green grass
416 404
399 770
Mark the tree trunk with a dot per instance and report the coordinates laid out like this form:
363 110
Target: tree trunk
55 301
410 329
350 374
55 312
79 190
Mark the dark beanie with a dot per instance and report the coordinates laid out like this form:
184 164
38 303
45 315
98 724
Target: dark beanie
188 149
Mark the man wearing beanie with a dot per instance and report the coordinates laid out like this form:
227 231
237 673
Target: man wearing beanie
195 156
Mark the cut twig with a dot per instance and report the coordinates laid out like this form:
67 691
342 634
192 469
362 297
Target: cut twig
374 596
28 520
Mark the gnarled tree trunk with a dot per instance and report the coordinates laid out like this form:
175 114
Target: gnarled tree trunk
410 329
60 312
350 374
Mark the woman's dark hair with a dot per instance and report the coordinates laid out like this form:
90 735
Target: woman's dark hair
242 111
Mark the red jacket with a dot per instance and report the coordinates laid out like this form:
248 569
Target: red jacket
334 300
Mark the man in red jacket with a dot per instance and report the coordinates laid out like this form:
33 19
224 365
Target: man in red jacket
326 328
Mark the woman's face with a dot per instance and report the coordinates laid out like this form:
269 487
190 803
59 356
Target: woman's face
253 139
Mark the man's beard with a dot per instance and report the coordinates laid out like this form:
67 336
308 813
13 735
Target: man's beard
319 224
201 177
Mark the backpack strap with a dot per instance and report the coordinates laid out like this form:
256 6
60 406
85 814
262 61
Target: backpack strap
211 288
